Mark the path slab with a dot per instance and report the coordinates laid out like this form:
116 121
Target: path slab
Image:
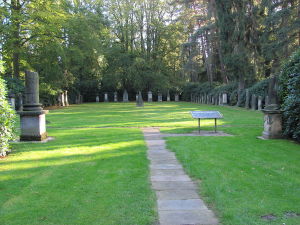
177 195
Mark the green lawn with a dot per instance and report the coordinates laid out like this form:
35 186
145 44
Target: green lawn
84 176
95 175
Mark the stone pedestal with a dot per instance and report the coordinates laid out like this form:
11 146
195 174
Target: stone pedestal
105 97
150 98
125 96
272 124
176 98
159 97
33 125
115 96
97 98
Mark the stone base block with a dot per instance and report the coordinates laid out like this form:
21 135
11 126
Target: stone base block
33 125
272 124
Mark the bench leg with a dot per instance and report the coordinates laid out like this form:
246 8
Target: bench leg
215 125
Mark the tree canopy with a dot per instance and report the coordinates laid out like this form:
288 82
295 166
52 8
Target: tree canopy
89 46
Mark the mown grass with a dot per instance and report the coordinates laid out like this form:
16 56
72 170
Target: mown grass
242 177
84 176
153 114
91 175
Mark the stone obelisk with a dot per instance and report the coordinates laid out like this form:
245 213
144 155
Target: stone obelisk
33 117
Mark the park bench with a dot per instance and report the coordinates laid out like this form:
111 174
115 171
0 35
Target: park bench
207 115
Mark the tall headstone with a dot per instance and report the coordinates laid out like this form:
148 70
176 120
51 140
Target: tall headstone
150 97
159 97
220 99
97 98
62 94
105 97
115 96
224 99
139 102
125 96
259 103
33 117
66 98
253 102
176 98
247 101
272 113
168 97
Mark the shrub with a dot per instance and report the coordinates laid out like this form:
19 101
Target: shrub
292 66
7 121
290 96
291 107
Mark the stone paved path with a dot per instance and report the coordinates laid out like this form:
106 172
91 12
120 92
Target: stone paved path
177 198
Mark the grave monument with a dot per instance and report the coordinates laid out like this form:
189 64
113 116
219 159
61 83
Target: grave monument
272 113
32 117
139 102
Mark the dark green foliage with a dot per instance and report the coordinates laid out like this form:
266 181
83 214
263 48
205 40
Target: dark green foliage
7 120
292 66
225 88
260 88
233 98
14 85
291 107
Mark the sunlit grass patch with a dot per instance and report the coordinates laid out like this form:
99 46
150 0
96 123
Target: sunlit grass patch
84 176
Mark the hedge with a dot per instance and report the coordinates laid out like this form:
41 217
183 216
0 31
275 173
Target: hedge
7 121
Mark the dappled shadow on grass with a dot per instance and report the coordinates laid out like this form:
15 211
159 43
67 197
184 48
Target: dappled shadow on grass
95 180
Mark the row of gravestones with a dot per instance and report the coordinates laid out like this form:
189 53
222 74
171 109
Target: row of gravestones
254 102
62 99
126 98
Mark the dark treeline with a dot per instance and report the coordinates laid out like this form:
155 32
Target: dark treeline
96 46
91 46
239 41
